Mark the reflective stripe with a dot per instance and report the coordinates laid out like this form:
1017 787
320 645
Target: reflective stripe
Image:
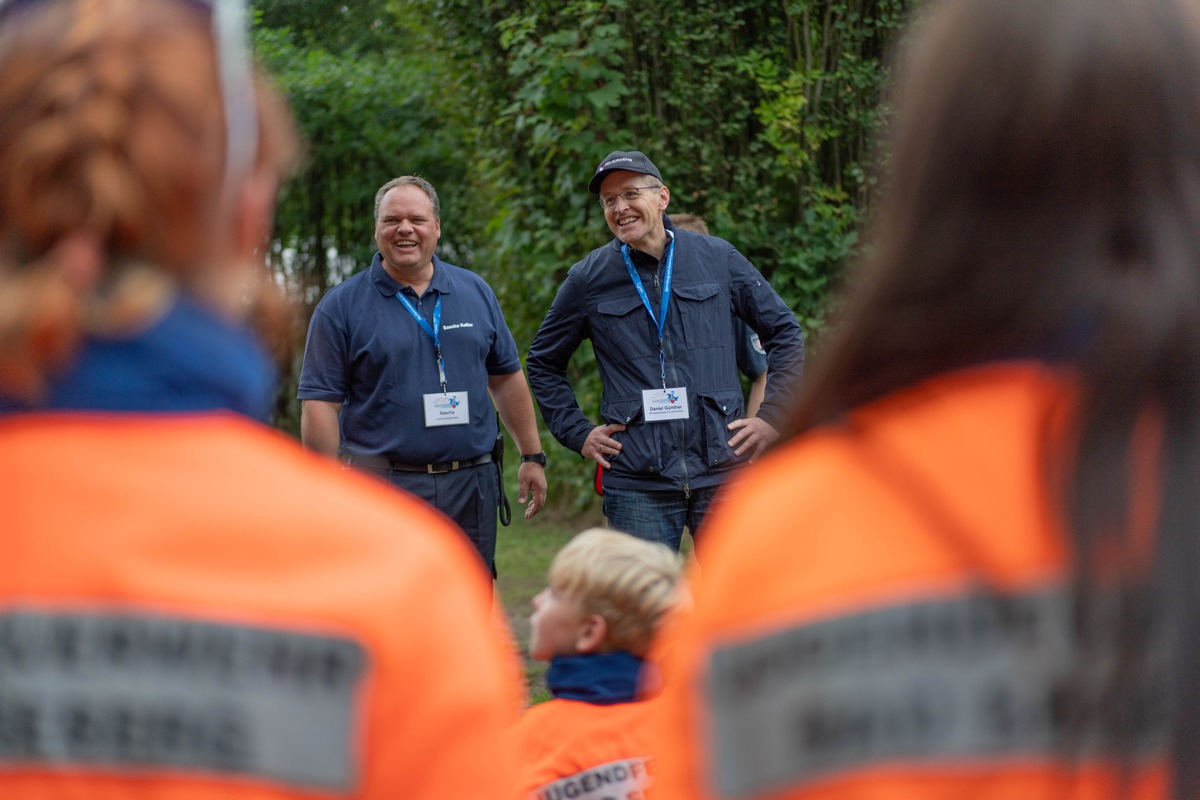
980 676
139 692
624 779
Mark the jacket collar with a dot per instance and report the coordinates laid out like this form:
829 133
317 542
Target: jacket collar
597 678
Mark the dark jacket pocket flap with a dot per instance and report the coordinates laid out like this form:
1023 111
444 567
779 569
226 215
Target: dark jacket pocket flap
622 411
618 307
696 291
726 403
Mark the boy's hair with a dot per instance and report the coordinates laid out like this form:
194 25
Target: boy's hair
629 582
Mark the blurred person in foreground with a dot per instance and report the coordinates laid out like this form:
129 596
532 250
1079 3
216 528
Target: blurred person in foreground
970 572
191 606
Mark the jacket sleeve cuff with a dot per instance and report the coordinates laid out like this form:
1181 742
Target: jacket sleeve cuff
772 415
578 436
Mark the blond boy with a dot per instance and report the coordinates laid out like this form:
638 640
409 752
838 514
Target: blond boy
607 593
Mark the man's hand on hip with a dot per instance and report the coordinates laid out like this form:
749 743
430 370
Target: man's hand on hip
753 436
600 444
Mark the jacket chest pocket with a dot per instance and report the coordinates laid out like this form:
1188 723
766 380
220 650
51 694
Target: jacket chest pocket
623 329
704 314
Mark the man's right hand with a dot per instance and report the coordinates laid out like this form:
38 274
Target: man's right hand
599 444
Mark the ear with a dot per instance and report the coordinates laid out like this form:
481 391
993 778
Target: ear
593 630
664 199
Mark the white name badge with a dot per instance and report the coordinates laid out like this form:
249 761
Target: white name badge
660 405
452 408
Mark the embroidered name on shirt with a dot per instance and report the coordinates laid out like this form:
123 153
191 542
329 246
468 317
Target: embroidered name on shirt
133 692
458 325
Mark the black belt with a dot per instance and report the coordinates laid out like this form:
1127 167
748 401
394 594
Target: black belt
382 463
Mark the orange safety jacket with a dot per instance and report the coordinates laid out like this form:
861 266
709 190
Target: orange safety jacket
575 750
885 614
193 608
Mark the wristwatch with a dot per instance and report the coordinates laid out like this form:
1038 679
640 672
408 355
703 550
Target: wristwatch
535 458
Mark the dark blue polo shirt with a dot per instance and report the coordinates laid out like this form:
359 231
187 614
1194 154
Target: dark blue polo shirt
365 351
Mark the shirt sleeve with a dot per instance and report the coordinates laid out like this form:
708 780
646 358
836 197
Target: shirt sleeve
559 336
324 374
756 303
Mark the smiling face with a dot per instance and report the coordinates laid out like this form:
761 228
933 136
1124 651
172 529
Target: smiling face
406 233
638 222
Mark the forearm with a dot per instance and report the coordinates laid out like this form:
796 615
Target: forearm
556 341
779 333
781 337
319 429
510 395
569 425
560 410
786 368
758 390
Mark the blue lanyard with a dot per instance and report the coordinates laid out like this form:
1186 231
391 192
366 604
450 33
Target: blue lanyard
661 320
431 331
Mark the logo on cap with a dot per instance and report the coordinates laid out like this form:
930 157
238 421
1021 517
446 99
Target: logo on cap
614 161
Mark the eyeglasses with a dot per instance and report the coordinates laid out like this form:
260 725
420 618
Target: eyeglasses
629 195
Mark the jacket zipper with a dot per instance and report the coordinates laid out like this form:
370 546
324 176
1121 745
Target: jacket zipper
682 437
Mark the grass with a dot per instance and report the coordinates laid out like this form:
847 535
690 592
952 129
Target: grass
524 551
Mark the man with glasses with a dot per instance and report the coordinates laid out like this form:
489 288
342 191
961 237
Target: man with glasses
655 303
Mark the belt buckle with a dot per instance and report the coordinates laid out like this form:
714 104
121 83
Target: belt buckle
447 466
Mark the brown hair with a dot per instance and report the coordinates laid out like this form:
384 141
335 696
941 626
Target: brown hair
409 180
1042 201
690 222
111 133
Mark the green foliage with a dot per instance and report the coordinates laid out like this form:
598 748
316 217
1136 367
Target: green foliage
760 114
335 26
363 103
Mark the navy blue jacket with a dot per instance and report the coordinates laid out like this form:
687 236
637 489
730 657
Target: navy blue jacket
598 301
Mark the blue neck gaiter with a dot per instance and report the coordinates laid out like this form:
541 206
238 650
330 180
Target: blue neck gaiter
597 678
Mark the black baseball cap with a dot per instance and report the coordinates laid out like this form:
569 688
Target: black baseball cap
631 161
